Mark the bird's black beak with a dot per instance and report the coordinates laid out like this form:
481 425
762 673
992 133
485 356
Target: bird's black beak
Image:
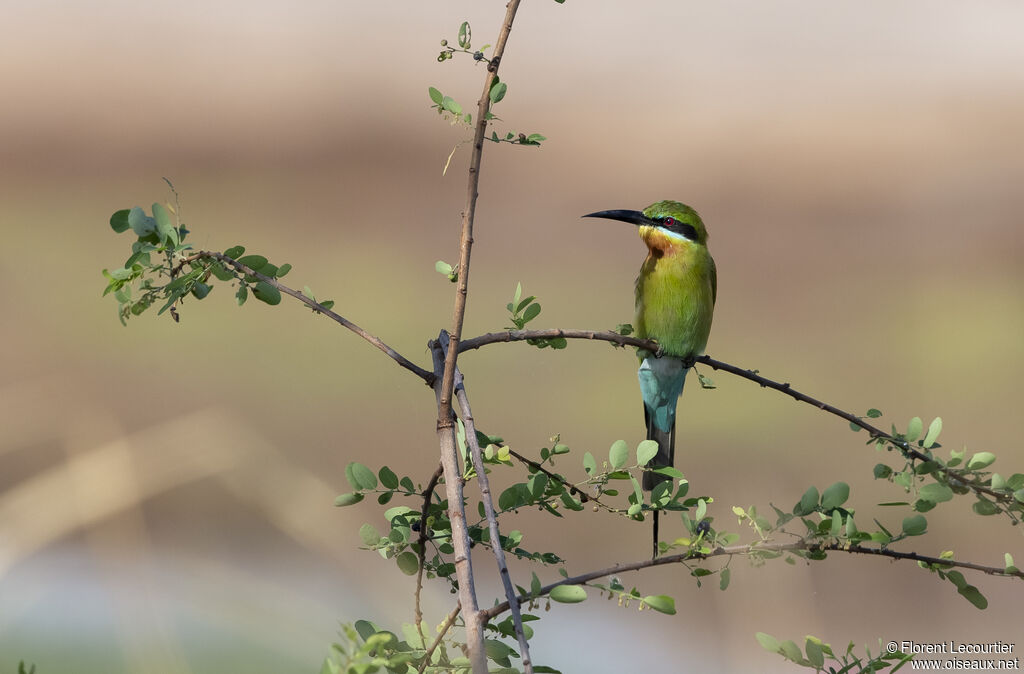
633 217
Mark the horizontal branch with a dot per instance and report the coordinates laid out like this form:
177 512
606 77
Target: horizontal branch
423 374
743 550
751 375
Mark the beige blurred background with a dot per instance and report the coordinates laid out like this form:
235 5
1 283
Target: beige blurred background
166 489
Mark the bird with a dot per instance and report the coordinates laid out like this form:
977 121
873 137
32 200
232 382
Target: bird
675 303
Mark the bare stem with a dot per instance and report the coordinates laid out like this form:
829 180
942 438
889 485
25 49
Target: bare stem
466 414
468 215
453 484
428 494
445 626
426 376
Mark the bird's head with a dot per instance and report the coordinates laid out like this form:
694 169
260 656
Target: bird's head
663 225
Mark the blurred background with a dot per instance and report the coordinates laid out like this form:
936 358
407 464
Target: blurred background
166 489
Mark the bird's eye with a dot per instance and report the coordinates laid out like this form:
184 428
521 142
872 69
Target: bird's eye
669 221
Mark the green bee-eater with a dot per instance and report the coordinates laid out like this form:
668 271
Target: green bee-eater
675 301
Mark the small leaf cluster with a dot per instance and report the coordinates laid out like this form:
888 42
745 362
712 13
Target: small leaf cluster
662 603
159 243
465 40
364 647
828 523
821 657
401 540
522 310
959 474
445 269
161 269
452 110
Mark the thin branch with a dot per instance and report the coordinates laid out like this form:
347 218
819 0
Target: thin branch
426 376
754 548
453 484
428 494
573 489
468 215
445 626
466 414
651 345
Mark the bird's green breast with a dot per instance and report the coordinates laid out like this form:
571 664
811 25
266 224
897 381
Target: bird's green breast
675 296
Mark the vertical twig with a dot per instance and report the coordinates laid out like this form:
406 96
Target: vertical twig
457 516
444 369
428 493
448 622
466 239
466 415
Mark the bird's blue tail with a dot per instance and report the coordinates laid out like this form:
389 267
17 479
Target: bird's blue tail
661 384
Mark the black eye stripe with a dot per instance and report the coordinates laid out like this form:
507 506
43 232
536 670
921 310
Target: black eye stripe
682 228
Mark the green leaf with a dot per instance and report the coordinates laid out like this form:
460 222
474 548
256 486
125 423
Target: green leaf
618 454
254 262
369 535
914 429
981 460
465 35
451 105
531 312
568 594
725 575
360 477
768 642
442 267
873 413
834 496
702 510
265 292
645 451
589 463
791 651
985 508
435 95
388 478
283 270
221 272
662 603
814 653
164 228
234 252
932 435
535 138
882 471
1008 558
511 498
935 492
915 525
119 221
808 502
408 563
496 650
141 224
498 91
200 290
973 595
348 499
242 294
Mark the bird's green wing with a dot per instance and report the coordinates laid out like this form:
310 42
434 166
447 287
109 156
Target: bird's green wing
714 281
